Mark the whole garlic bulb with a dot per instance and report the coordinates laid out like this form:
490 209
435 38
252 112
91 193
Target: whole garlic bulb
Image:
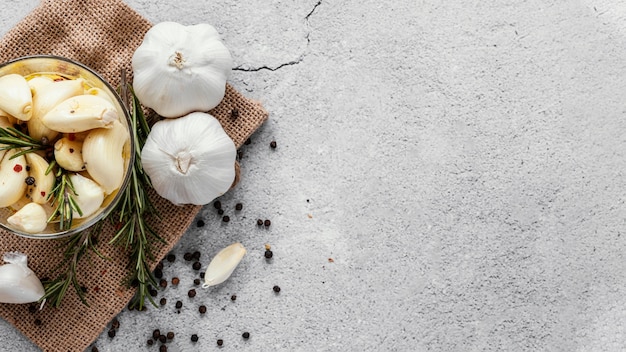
190 160
179 69
18 284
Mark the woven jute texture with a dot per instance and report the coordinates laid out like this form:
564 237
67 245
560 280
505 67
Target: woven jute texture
103 35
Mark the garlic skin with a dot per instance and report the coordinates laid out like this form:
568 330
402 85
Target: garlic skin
18 284
223 264
31 218
190 160
15 96
89 195
179 69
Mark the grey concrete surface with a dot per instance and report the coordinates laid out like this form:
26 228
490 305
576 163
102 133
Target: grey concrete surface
462 162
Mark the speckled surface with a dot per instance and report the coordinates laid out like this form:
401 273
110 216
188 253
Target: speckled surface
461 162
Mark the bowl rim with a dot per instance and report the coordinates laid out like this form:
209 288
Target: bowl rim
125 110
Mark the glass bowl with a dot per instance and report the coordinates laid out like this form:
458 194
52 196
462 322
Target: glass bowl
48 65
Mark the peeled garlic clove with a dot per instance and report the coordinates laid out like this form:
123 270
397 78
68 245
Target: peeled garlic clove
32 218
223 264
81 113
89 195
37 83
18 284
15 96
102 153
69 154
12 175
45 99
40 190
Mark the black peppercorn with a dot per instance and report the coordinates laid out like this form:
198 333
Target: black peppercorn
220 211
179 304
202 275
196 255
111 333
220 342
163 283
191 293
267 223
32 309
269 254
202 309
115 324
276 289
160 266
38 322
217 204
163 301
170 335
238 206
156 333
94 349
194 338
248 141
245 335
30 180
188 256
196 282
163 339
226 218
150 342
158 273
233 297
171 258
200 223
153 293
273 144
163 348
234 113
259 222
196 266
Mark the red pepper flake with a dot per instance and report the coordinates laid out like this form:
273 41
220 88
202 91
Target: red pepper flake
96 289
71 136
43 193
17 168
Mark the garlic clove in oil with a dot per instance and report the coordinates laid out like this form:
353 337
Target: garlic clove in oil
32 218
15 96
18 283
102 154
89 195
46 97
81 113
223 264
12 175
69 154
43 183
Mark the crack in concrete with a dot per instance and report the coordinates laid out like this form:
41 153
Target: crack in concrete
290 63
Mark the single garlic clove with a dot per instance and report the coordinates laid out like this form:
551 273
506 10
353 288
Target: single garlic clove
15 96
223 264
46 98
37 83
81 113
18 283
12 175
102 153
89 195
32 218
41 188
69 154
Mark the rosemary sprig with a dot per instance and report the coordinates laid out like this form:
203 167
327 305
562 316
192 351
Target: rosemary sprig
135 233
63 199
12 138
77 246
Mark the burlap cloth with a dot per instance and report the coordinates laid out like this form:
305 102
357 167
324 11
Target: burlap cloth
103 35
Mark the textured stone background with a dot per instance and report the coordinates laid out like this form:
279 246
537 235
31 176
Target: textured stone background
462 162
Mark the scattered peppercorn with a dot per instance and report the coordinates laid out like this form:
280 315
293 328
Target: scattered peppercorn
200 223
163 348
267 223
220 212
273 144
276 289
202 275
158 273
163 301
111 333
220 342
188 256
226 218
163 339
234 113
233 297
196 282
191 293
248 141
94 349
160 265
32 309
202 309
115 324
170 335
196 255
175 281
179 304
171 258
30 180
245 335
259 222
156 333
150 342
196 266
153 293
217 204
194 338
38 322
163 283
269 254
238 206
